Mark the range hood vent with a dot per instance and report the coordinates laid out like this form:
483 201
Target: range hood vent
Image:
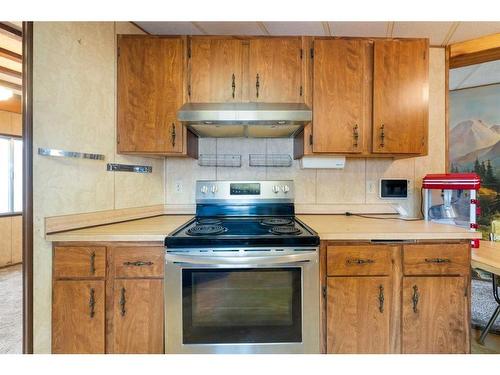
252 120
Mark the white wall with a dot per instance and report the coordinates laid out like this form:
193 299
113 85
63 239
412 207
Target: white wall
74 109
323 187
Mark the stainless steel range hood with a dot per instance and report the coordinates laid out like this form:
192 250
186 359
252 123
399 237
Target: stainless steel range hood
252 120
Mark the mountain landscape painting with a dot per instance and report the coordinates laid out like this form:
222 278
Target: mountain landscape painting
474 143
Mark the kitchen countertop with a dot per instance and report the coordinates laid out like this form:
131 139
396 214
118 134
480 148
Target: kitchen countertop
149 229
329 227
340 227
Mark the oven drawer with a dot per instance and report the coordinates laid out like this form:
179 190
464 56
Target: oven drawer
436 259
359 260
138 261
79 262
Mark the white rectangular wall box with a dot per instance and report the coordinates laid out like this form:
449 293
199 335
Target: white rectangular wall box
322 162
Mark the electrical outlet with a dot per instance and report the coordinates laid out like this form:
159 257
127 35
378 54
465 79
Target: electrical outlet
178 187
371 187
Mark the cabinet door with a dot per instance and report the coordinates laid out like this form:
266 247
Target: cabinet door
400 96
358 313
150 82
138 316
341 95
275 70
78 317
216 70
435 315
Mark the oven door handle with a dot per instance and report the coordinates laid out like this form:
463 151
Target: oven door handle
238 260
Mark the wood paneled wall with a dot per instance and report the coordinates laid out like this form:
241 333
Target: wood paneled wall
11 123
11 241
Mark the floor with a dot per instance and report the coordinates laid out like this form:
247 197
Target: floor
11 301
491 344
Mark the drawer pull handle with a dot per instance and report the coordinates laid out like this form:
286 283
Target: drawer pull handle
416 296
257 86
92 263
360 261
355 135
382 136
233 85
138 263
123 302
381 298
437 260
173 135
92 303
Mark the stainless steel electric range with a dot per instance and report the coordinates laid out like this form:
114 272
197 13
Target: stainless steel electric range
243 275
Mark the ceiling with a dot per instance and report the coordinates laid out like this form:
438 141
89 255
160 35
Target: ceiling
475 75
10 47
439 33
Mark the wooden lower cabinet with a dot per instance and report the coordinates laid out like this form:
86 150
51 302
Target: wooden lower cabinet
138 316
434 315
413 299
78 320
358 312
111 301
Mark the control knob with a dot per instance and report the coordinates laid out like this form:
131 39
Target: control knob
204 189
214 189
276 189
285 189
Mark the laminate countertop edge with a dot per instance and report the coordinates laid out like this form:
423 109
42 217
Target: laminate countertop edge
328 227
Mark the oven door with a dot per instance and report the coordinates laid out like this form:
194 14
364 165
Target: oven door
236 304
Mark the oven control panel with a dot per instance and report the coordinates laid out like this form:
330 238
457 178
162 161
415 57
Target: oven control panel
244 190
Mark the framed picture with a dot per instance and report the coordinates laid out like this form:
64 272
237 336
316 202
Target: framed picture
474 144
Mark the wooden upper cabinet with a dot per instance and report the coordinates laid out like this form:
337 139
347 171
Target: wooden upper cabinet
341 91
150 91
78 325
216 74
435 315
358 315
275 70
400 96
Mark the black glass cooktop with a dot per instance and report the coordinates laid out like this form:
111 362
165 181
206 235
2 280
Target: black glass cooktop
242 232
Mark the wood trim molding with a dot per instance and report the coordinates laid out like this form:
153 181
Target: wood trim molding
475 51
8 54
11 30
11 85
11 72
63 223
28 188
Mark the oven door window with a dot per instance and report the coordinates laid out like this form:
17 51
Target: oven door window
255 305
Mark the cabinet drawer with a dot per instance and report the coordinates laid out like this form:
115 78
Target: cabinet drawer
436 259
138 261
363 260
79 262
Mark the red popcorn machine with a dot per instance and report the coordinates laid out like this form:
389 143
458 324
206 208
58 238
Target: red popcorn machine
451 198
